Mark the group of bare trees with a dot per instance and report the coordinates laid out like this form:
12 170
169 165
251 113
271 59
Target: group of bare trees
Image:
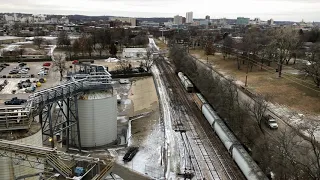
102 42
288 155
313 66
281 46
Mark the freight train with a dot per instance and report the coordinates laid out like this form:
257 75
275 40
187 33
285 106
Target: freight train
245 162
186 82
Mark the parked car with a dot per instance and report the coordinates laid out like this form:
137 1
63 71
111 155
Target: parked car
271 122
23 71
15 101
44 68
26 67
14 71
132 151
42 73
6 64
22 64
47 64
75 62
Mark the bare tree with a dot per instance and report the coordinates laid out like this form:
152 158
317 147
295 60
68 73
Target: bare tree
60 65
295 157
63 39
313 67
209 48
285 41
124 65
21 51
258 109
89 45
148 59
76 47
38 41
227 46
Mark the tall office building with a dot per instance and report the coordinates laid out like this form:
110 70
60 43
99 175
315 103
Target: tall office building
242 21
177 20
207 17
189 17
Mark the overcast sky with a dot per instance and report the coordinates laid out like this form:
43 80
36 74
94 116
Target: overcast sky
293 10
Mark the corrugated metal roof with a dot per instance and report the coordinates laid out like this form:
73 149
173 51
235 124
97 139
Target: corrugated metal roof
96 95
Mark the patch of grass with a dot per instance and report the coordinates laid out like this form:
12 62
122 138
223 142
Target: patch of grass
291 90
161 44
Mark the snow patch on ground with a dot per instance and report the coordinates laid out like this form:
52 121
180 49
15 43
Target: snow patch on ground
171 144
112 60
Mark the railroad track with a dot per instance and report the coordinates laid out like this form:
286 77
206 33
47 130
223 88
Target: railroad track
209 159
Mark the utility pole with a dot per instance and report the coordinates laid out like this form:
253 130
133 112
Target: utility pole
246 83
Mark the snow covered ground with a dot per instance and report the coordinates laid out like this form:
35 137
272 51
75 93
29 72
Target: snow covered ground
52 48
171 144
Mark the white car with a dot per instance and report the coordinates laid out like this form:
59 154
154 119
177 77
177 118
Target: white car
42 73
23 71
272 123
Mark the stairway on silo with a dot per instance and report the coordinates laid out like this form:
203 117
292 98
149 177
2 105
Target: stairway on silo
60 166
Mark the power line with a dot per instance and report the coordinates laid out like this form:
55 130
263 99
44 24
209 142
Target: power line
290 79
262 65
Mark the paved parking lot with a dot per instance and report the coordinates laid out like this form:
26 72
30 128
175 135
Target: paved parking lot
52 80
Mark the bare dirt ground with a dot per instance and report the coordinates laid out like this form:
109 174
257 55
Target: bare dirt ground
146 131
285 91
144 95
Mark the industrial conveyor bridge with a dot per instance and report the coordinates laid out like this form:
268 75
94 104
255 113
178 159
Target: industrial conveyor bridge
61 162
43 103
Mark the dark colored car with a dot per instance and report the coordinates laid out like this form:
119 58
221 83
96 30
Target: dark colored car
22 64
15 101
6 64
132 151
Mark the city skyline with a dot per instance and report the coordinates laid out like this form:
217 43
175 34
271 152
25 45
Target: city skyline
295 10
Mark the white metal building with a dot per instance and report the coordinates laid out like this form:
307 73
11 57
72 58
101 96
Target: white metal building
134 52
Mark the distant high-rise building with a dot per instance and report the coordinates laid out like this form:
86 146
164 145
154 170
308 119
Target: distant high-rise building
183 20
208 17
243 21
257 20
270 22
177 19
189 17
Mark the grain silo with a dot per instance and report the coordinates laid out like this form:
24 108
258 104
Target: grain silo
97 119
12 168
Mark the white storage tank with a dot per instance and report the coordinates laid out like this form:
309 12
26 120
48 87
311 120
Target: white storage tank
97 119
14 168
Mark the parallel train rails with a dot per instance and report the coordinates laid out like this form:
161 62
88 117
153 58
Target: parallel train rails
205 161
245 162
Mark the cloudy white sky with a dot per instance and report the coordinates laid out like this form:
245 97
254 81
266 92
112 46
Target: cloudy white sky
294 10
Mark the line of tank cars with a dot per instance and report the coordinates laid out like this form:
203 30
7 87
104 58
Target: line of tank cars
245 162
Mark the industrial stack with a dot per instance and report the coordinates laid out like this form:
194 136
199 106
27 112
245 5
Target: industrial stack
97 119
